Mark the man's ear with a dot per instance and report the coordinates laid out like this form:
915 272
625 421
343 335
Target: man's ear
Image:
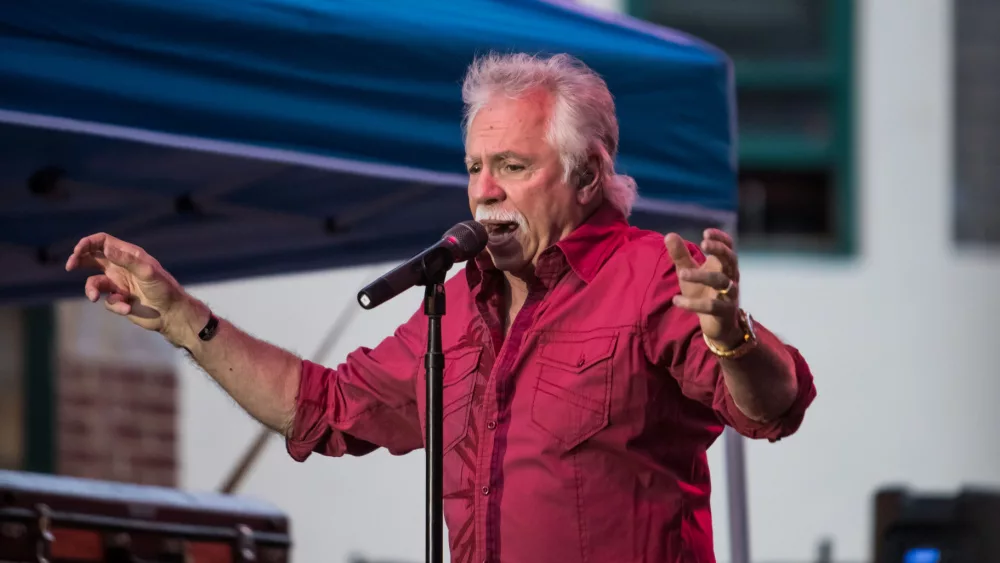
588 179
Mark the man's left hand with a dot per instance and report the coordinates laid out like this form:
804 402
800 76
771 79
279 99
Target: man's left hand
711 289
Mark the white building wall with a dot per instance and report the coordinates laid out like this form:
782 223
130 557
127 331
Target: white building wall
900 337
372 506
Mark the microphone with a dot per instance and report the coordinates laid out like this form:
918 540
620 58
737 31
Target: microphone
462 242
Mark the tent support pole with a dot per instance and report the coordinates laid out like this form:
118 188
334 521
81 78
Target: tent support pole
736 481
238 474
739 530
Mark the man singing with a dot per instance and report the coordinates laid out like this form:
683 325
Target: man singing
589 364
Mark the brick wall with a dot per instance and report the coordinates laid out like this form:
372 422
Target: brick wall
117 422
116 404
11 388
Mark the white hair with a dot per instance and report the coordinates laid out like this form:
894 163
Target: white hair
583 121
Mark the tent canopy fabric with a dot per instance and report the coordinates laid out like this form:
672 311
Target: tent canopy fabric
233 139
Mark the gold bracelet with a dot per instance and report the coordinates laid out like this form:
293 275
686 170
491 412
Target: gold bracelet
743 348
737 352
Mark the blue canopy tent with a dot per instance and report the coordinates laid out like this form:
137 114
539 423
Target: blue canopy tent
233 139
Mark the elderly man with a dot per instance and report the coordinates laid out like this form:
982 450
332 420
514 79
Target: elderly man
589 364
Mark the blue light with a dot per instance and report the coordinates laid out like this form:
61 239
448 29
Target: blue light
922 555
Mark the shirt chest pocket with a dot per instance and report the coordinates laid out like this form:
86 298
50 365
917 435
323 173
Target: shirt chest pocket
459 380
572 394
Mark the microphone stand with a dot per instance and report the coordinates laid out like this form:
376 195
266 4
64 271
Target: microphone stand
429 269
433 274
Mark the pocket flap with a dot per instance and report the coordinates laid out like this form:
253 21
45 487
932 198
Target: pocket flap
460 363
578 354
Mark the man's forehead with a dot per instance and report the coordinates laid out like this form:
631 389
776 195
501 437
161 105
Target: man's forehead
515 128
503 113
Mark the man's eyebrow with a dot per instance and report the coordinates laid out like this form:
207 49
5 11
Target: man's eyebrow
505 155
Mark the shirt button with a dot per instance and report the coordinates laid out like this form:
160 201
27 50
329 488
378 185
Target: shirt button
491 424
486 490
581 361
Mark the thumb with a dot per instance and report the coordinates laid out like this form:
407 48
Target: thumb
679 252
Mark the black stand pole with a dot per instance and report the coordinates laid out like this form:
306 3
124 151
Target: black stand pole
434 309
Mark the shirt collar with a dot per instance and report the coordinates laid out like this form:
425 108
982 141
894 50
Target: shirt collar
584 250
590 245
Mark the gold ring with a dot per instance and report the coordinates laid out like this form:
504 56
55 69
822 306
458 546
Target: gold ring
725 292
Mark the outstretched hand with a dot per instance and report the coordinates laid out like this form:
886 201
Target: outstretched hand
136 285
710 289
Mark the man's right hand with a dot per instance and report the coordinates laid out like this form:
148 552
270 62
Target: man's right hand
264 379
137 287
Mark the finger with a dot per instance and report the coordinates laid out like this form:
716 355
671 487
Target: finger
85 251
726 256
679 252
86 261
100 283
714 307
118 252
719 236
716 280
130 257
118 305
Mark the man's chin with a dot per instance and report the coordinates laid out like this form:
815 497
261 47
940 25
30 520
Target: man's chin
509 263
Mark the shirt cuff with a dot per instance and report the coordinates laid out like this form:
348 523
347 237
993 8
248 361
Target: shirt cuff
788 423
311 430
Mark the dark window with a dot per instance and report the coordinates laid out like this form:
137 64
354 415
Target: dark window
977 122
792 210
780 30
803 114
793 62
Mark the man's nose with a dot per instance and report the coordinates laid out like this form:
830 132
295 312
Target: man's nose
486 190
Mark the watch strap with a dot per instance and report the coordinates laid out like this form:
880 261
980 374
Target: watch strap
210 330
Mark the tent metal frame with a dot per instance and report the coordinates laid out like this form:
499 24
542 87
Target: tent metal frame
320 162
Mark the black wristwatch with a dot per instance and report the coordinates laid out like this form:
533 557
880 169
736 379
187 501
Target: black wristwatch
211 328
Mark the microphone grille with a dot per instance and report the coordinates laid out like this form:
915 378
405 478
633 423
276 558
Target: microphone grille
470 239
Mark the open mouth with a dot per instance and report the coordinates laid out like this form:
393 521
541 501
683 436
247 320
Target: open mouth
499 231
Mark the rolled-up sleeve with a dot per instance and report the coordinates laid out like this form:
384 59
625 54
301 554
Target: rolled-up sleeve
673 339
365 403
704 371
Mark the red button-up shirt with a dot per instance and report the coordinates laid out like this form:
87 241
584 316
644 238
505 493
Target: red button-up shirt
581 436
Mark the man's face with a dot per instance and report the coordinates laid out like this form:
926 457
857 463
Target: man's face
516 186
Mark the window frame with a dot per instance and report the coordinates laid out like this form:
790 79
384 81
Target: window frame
837 76
39 388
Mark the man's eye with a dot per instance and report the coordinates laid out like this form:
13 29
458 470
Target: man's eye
513 167
474 169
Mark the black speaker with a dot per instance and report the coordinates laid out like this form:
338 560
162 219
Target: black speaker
932 528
